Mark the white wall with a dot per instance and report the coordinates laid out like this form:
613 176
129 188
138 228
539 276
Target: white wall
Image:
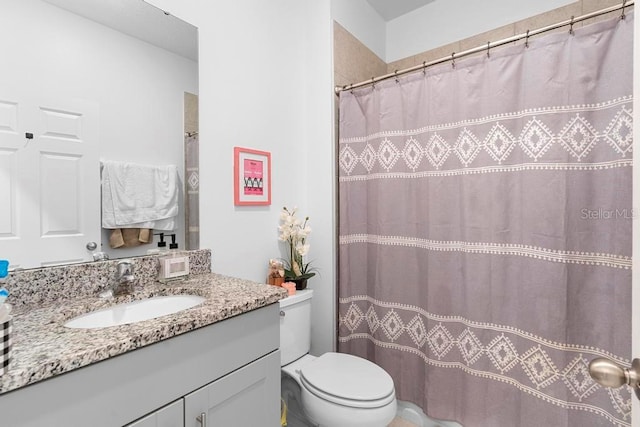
444 21
436 24
139 88
361 20
266 83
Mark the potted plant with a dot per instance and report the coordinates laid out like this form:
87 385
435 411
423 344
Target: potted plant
295 233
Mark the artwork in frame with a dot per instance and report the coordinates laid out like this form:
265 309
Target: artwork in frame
251 177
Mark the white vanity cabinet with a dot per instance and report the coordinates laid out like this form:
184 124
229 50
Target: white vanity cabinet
243 398
230 370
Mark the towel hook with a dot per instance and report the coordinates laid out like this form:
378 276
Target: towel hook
526 40
453 60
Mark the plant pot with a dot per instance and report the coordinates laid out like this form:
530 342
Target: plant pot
300 284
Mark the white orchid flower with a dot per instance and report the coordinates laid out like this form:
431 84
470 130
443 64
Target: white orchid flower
295 232
302 249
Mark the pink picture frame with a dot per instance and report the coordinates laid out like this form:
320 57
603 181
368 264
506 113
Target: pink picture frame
251 177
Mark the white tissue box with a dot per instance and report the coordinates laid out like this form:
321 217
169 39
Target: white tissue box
6 329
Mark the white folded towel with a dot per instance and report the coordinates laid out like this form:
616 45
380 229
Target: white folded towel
139 196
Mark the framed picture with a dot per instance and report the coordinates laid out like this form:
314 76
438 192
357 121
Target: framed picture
251 177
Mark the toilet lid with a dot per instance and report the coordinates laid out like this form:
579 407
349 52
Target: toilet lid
348 380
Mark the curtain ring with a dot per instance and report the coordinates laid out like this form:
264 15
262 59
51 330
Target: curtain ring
488 45
526 40
571 25
624 2
424 68
396 73
373 82
453 60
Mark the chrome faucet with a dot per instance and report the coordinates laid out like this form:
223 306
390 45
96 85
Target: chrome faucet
124 278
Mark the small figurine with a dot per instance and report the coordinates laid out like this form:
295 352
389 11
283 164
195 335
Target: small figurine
276 273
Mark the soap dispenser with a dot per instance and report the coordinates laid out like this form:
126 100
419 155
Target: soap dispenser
5 309
162 246
173 245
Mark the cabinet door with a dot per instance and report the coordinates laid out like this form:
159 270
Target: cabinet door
247 397
171 415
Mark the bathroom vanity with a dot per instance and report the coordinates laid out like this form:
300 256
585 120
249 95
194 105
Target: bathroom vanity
214 364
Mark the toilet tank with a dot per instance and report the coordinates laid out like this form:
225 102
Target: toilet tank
295 326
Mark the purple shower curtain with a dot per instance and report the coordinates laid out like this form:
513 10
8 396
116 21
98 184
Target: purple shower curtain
485 230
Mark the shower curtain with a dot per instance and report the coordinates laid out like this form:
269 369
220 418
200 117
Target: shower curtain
192 195
485 230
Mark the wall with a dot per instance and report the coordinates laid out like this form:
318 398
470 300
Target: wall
540 20
363 22
353 61
436 24
442 22
265 83
139 87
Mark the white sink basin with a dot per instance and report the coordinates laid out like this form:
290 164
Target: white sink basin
135 311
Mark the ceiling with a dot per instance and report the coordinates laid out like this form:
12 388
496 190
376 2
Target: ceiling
140 20
391 9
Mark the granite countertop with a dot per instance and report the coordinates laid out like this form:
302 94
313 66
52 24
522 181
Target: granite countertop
43 347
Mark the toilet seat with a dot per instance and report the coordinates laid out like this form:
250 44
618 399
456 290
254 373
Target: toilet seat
348 380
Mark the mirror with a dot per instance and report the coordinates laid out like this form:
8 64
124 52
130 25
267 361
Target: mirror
85 81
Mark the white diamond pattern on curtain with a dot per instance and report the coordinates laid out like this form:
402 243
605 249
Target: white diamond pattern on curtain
485 235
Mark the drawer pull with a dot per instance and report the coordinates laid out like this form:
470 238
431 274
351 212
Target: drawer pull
202 418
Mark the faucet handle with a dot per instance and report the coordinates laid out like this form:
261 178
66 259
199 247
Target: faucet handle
100 256
125 270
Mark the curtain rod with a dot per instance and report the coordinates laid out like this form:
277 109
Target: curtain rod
490 45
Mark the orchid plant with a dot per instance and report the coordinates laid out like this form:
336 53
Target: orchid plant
295 233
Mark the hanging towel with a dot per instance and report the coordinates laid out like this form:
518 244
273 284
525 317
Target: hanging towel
129 237
139 196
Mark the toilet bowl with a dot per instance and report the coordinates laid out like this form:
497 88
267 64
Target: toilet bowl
334 389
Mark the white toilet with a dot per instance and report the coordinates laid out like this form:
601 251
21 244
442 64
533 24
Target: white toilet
335 389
